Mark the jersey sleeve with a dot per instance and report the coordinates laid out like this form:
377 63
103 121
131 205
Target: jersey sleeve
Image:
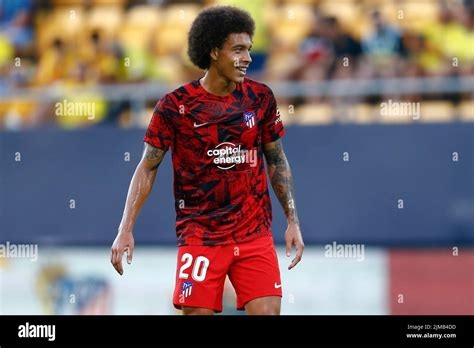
160 131
272 124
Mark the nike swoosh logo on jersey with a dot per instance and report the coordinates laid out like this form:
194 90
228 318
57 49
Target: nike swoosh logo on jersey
200 125
277 286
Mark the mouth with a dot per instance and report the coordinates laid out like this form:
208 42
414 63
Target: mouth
242 69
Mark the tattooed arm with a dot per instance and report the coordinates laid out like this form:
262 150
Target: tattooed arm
138 191
282 183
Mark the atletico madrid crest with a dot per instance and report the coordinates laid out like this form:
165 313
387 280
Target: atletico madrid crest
186 289
249 119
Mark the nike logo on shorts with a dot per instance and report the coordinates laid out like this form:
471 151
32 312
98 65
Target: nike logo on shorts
277 286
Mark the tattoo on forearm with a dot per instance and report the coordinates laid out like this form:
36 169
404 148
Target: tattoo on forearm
281 178
153 154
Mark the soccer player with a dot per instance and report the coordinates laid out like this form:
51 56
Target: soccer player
219 128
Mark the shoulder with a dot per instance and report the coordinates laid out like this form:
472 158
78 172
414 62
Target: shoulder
172 101
186 91
260 89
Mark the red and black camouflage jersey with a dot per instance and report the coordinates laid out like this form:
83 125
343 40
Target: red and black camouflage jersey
220 184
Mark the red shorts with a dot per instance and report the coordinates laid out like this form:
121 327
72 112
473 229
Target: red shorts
252 268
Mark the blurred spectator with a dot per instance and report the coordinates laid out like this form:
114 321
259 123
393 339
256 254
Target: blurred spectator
16 24
468 69
103 59
54 64
423 58
345 48
80 103
9 10
453 40
383 49
6 57
327 53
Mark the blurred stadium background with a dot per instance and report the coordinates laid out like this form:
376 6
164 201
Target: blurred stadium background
371 169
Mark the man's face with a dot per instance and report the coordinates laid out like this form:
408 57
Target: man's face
233 59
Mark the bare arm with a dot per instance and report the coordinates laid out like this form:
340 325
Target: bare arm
282 182
281 178
140 186
138 191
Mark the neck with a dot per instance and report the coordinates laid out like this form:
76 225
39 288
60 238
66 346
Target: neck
217 84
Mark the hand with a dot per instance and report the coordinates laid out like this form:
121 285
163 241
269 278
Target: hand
123 243
293 237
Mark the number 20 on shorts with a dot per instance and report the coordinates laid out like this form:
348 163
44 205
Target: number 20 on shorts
199 270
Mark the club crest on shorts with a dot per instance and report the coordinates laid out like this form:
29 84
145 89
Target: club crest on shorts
249 119
186 289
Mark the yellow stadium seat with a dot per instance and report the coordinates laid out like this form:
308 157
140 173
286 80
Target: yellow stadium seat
466 111
345 11
314 113
180 15
110 2
292 23
373 3
277 64
140 23
57 3
170 69
416 14
143 15
94 2
388 9
145 117
436 111
67 20
422 10
16 112
170 40
287 113
358 28
361 113
137 37
303 2
172 35
106 18
66 23
290 35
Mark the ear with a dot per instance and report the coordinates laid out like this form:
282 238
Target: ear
214 53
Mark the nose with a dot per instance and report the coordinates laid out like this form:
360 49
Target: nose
246 58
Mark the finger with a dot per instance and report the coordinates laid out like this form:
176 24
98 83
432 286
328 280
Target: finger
294 262
130 255
112 256
118 261
299 250
118 255
299 255
119 267
288 246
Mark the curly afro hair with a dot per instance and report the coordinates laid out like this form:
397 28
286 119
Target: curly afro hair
211 28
